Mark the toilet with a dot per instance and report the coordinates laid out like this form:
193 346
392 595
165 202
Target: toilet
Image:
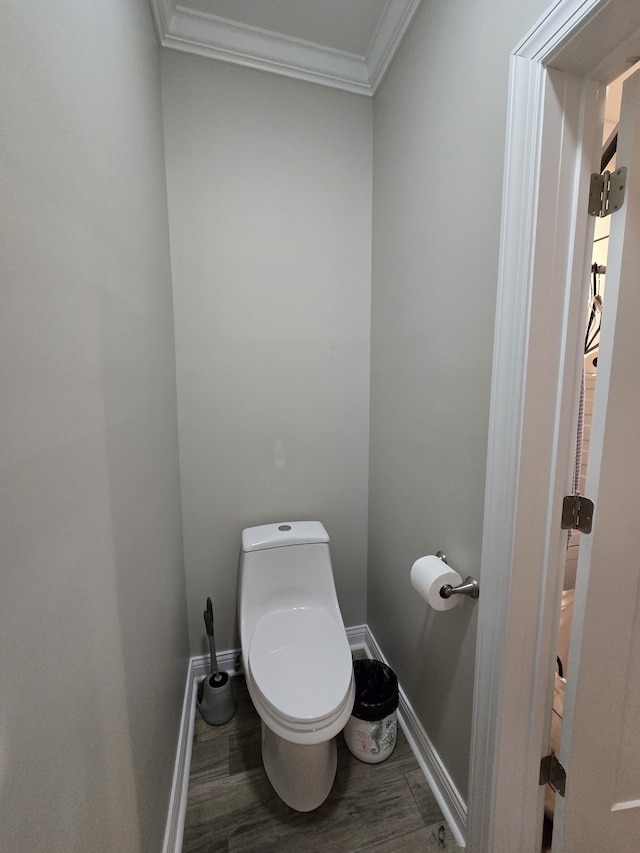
296 656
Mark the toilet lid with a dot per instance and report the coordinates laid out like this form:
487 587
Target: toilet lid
301 662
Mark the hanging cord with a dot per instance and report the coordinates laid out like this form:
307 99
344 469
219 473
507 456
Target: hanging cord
592 313
591 341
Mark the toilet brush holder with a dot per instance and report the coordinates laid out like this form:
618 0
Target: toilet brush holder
215 698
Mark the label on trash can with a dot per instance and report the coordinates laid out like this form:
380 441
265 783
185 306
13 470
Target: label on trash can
371 740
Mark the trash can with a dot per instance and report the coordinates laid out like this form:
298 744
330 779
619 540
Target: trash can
371 730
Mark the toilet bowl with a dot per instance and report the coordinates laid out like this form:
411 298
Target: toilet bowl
296 656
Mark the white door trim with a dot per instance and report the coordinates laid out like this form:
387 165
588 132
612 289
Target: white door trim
551 121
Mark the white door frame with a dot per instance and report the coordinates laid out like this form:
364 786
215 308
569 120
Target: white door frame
551 148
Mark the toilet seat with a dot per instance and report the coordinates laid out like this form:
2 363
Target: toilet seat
300 664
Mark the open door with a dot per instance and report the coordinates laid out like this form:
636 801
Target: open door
600 742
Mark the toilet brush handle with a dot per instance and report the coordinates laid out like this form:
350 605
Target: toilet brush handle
208 621
213 656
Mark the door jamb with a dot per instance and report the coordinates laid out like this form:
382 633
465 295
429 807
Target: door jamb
550 149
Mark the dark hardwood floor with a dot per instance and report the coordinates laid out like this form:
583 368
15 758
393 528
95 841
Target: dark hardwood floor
231 807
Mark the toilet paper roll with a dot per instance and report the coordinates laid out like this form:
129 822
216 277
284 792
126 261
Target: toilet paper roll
428 576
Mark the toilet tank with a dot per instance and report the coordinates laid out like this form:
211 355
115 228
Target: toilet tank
283 566
282 534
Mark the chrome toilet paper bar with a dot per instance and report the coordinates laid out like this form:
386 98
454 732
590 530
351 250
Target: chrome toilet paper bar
469 587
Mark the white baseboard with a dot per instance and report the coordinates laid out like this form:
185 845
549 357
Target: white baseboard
447 795
357 636
174 829
198 667
227 662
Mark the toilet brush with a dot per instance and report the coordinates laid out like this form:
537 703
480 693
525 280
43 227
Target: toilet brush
215 698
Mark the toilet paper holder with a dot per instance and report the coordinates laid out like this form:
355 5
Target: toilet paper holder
469 587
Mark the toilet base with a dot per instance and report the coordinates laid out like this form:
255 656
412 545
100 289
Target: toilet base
302 776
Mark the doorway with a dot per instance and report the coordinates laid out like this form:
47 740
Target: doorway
594 302
552 141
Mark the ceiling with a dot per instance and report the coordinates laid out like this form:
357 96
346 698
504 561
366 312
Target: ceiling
345 44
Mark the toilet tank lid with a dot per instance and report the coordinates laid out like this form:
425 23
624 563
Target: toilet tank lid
283 533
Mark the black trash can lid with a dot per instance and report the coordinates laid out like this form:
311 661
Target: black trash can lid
376 690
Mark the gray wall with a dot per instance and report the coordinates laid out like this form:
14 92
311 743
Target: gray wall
439 127
269 183
93 640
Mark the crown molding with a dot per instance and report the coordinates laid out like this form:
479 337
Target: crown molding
192 31
392 26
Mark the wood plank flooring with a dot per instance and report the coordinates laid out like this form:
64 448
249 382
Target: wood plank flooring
231 807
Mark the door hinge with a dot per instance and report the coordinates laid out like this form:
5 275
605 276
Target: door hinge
577 513
606 192
553 773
